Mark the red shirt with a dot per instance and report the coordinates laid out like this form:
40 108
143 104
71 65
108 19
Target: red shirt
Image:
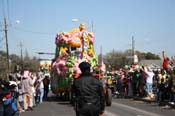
7 96
165 63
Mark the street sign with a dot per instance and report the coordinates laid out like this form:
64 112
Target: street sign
129 57
133 57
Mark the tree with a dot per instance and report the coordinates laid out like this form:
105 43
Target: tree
31 63
15 61
3 64
115 60
118 59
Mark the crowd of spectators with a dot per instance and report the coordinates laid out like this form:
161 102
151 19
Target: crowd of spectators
23 92
144 81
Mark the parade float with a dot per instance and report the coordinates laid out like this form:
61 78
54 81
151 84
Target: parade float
72 48
45 65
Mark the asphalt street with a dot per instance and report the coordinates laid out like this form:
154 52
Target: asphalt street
120 107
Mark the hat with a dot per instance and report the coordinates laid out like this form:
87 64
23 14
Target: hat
47 74
26 74
12 83
84 65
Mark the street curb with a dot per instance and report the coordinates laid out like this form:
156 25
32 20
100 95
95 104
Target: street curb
153 101
143 99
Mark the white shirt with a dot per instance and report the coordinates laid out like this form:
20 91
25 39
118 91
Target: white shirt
33 80
41 78
149 76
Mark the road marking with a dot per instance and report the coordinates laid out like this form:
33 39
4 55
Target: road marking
107 113
136 109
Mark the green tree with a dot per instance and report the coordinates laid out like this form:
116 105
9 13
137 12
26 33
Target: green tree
115 60
15 61
118 59
30 63
3 64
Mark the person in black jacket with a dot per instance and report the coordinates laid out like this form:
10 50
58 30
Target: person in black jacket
3 92
8 96
89 95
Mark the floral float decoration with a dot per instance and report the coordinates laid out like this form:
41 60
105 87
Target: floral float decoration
72 48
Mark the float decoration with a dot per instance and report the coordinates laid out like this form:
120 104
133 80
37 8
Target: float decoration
72 48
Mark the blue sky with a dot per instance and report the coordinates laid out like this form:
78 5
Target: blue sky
151 22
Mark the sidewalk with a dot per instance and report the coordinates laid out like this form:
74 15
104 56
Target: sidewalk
149 100
145 99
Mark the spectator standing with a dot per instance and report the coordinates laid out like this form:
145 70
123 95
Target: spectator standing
141 84
40 85
20 99
34 78
27 84
165 61
173 90
149 80
172 87
161 79
161 76
46 83
161 91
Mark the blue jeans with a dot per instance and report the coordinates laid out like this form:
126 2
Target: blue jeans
149 88
1 110
173 97
41 95
22 104
34 102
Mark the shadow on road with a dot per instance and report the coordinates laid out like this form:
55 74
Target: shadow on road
59 100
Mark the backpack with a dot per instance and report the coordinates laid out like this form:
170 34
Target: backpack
10 106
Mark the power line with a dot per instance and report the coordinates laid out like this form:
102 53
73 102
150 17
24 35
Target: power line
1 42
34 32
7 49
1 39
3 9
6 8
43 53
21 45
8 11
133 46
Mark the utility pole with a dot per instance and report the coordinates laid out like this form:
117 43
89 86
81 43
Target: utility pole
21 45
7 49
133 48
